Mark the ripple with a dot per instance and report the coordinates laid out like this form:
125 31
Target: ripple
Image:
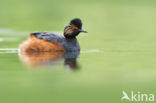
8 39
92 51
8 50
16 50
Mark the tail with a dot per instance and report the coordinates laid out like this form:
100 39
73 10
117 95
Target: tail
39 45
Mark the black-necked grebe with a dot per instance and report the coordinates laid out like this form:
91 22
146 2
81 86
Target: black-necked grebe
47 41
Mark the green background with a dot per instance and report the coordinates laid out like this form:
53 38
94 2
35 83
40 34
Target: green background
117 54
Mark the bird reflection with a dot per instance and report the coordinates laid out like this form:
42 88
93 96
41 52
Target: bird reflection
49 58
70 59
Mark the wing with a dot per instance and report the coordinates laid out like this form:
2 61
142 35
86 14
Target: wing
48 36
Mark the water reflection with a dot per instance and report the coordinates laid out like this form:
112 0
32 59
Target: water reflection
70 60
49 58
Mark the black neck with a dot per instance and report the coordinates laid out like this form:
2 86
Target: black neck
71 38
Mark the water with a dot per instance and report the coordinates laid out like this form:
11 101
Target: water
117 54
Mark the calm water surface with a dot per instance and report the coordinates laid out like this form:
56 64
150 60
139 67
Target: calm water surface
91 75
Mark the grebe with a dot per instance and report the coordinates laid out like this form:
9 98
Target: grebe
47 41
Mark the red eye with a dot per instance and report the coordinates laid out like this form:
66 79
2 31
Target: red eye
76 28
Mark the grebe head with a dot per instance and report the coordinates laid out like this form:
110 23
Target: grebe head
73 28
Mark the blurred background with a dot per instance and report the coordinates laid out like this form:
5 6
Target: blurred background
117 54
